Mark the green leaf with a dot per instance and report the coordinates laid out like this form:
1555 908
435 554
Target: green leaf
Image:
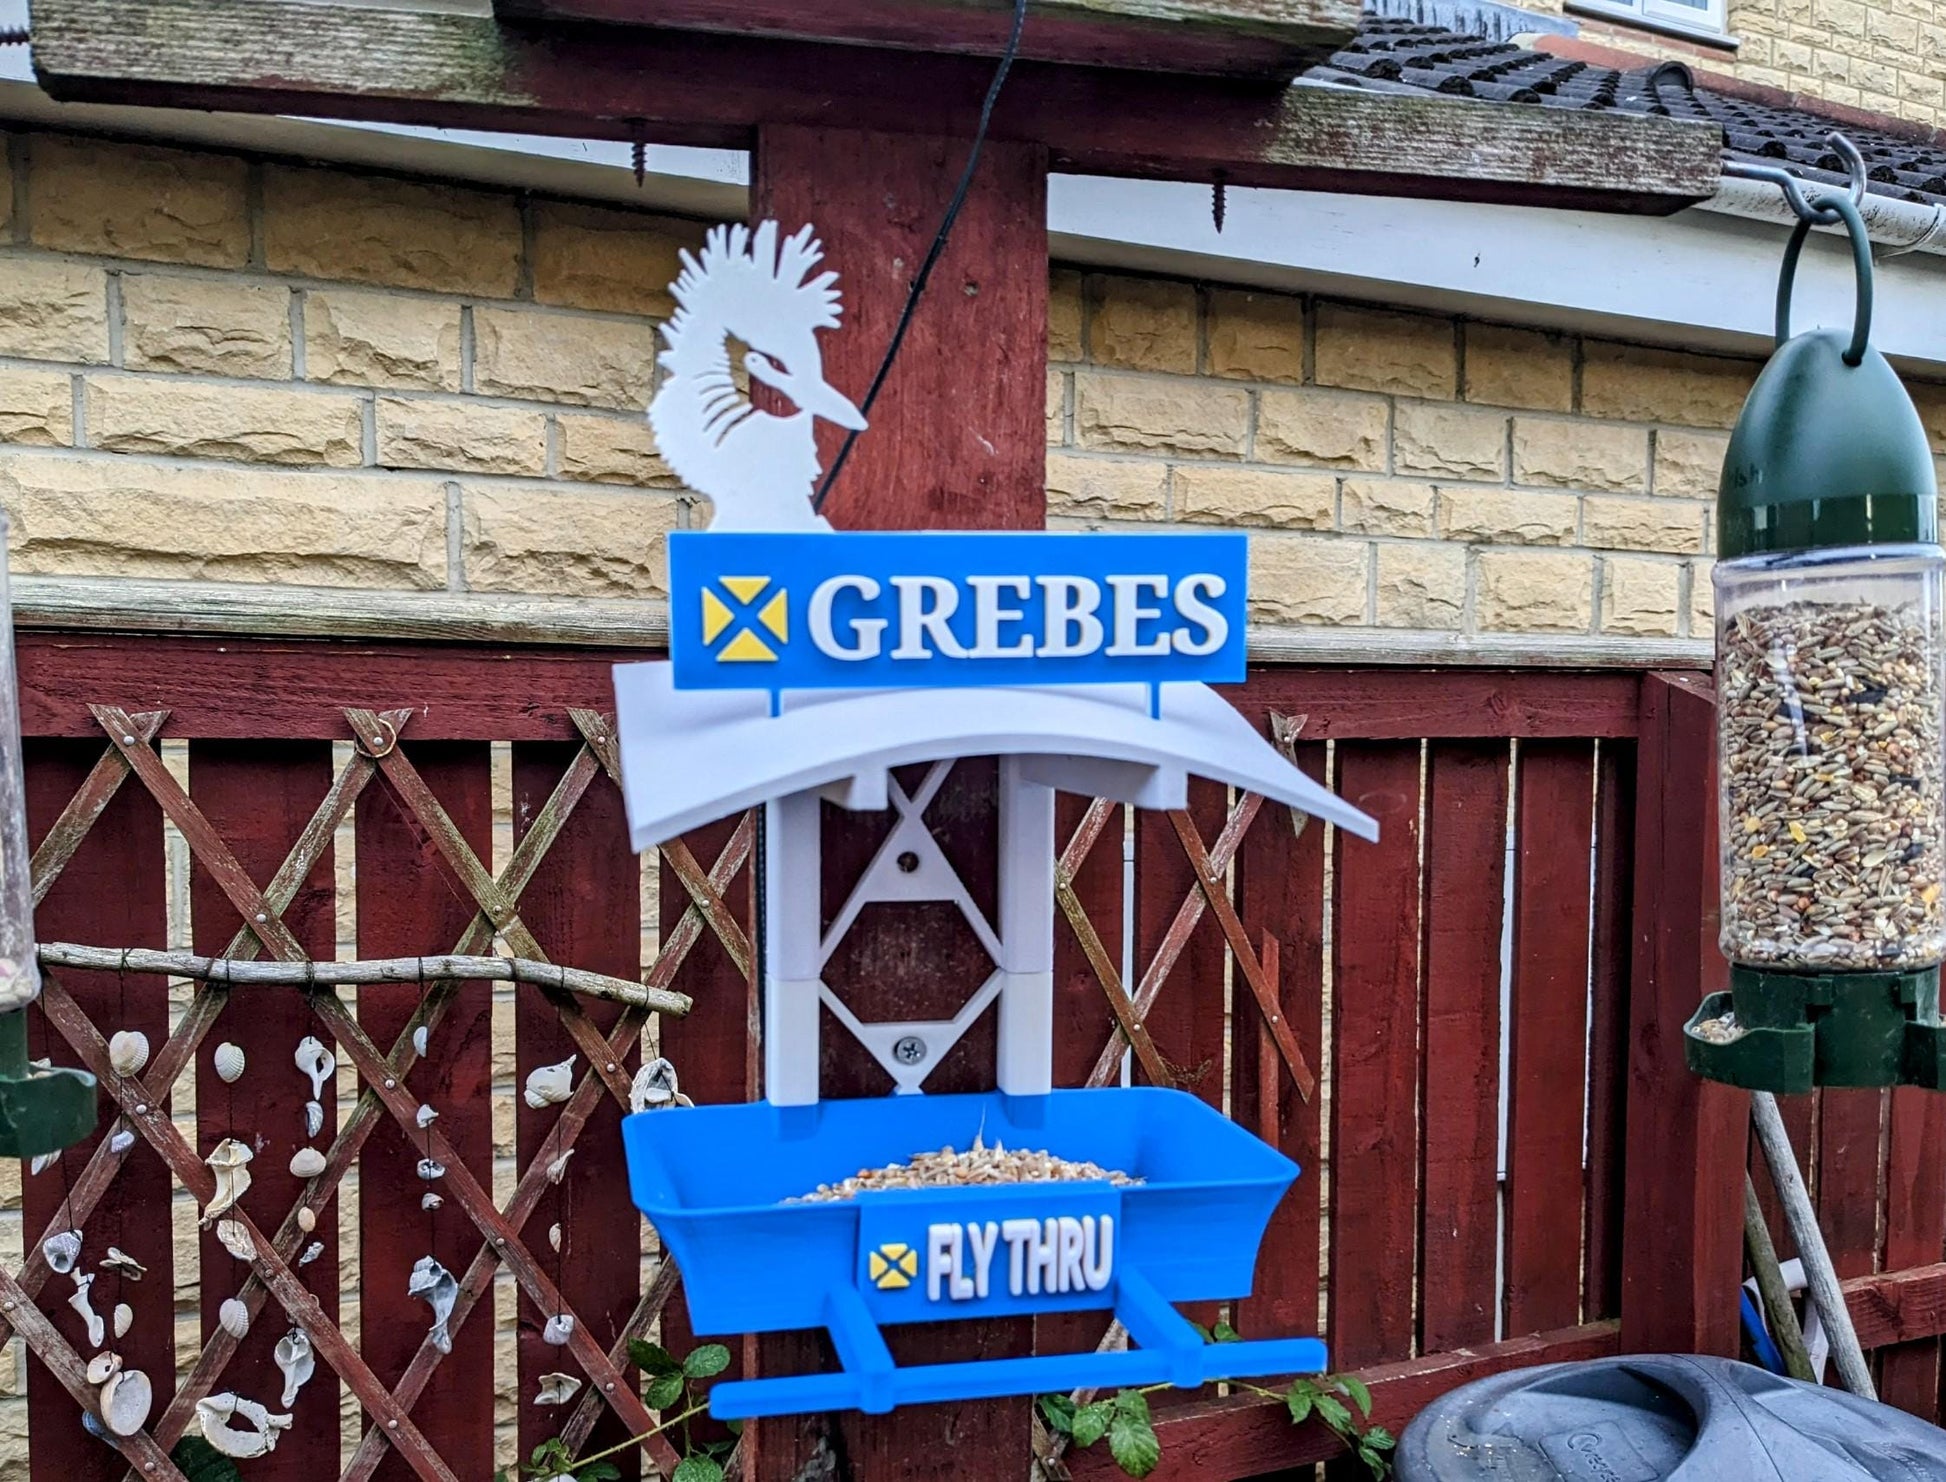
1332 1411
601 1471
1132 1403
1132 1442
1353 1386
697 1469
1227 1334
651 1358
199 1461
1091 1422
1058 1412
1298 1402
1379 1439
1208 1336
499 1475
706 1362
665 1390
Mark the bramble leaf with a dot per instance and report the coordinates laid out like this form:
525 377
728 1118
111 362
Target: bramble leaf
1091 1422
697 1469
1226 1334
1298 1401
1132 1442
651 1358
1058 1412
1352 1385
706 1362
665 1390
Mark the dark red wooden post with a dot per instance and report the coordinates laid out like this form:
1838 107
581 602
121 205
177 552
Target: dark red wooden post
956 442
1682 1235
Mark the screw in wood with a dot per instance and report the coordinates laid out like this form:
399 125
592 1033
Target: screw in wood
128 740
142 1109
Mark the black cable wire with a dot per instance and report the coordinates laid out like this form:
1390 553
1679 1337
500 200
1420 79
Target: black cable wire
935 252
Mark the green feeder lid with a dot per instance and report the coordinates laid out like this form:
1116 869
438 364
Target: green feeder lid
1829 450
41 1110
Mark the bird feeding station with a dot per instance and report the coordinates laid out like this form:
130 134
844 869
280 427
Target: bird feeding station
811 670
1829 711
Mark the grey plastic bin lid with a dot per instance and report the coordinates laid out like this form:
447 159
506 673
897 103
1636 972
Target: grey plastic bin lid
1665 1416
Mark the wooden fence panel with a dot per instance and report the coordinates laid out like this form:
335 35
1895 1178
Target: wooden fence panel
1375 1016
408 906
1554 809
1466 830
1280 895
258 796
113 885
1915 1235
583 907
1608 1027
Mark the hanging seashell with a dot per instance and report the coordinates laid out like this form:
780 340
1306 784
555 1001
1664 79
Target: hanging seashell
122 1141
557 1170
654 1086
293 1356
433 1284
431 1168
307 1219
559 1329
103 1367
97 1329
233 1317
313 1118
311 1253
61 1250
125 1402
425 1116
307 1163
122 1320
42 1162
128 1051
229 1061
315 1061
263 1430
554 1236
123 1264
236 1239
419 1040
549 1084
557 1389
430 1200
229 1160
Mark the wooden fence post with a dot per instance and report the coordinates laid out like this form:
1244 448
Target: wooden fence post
1686 1138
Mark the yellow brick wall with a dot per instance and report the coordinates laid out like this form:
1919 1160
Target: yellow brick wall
247 371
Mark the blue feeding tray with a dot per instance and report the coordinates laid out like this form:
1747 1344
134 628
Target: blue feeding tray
717 1182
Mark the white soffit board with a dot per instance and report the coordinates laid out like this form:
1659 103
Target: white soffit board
692 756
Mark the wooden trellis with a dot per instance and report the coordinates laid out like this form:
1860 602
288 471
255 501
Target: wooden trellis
142 1098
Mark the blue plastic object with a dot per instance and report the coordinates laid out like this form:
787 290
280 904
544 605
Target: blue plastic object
716 1182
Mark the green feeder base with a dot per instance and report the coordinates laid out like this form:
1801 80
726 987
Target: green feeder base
41 1111
1788 1032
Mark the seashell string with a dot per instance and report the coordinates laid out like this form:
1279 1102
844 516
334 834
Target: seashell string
548 1085
434 1285
125 1401
233 1317
128 1051
122 1263
557 1389
294 1359
229 1160
229 1061
81 1303
316 1062
258 1433
122 1320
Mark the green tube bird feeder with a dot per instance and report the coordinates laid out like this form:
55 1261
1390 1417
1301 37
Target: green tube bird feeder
42 1108
1830 703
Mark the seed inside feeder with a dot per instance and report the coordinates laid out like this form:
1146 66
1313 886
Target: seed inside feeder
979 1164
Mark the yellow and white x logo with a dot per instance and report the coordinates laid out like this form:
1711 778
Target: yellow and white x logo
892 1267
747 646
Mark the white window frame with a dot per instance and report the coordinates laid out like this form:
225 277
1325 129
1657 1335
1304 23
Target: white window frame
1708 23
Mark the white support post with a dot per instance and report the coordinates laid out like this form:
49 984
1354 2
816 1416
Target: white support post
792 860
1026 1055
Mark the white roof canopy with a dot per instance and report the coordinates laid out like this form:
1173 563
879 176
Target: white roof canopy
692 756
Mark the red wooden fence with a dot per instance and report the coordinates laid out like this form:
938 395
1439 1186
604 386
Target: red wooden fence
1519 949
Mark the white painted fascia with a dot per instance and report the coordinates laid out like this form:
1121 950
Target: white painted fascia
1701 279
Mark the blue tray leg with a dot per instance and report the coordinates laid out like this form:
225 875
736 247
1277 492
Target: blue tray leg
861 1349
1156 1327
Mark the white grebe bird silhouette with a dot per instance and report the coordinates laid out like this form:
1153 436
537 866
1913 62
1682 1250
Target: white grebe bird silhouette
758 469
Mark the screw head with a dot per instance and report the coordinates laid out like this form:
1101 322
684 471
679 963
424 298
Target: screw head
908 862
390 1084
142 1109
128 740
909 1049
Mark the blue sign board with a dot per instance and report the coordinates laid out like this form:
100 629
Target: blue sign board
906 610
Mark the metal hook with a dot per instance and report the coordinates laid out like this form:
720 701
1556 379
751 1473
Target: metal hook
1793 186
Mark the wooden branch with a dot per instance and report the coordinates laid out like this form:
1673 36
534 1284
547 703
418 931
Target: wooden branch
1240 38
461 71
242 973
